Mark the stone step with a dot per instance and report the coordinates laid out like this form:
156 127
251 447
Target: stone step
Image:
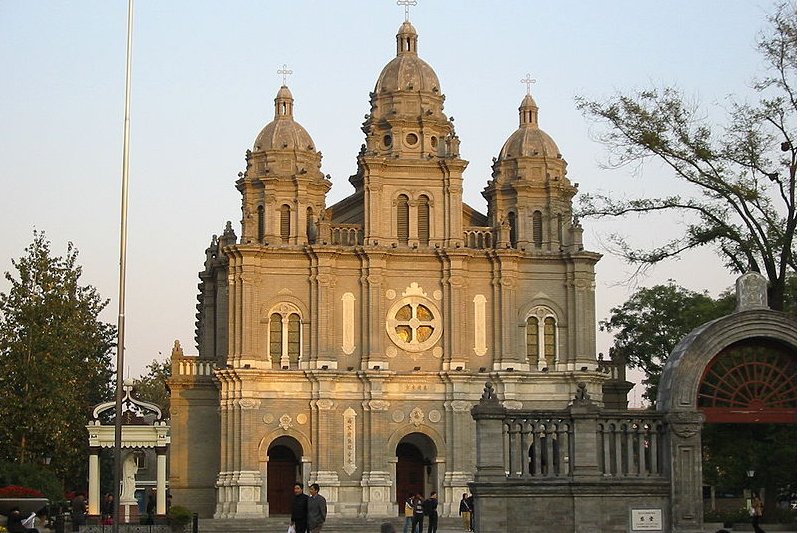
334 524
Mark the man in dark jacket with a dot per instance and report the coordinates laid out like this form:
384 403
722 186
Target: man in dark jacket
430 506
300 509
317 510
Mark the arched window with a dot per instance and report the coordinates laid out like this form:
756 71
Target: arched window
402 219
275 334
285 336
285 223
550 341
294 338
261 224
311 231
423 221
537 229
532 338
541 338
512 222
560 228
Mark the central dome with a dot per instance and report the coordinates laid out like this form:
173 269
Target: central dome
407 72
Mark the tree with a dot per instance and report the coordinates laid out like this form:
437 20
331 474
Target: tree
744 173
55 361
152 386
651 323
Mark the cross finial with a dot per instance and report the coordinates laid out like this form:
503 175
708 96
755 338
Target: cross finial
284 71
528 81
407 4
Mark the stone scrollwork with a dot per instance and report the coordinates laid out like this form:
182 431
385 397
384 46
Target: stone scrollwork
460 406
416 416
378 405
325 404
285 422
685 424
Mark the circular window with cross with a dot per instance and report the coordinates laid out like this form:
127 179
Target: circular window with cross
414 324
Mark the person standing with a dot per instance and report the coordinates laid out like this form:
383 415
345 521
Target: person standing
419 514
758 512
317 510
299 509
78 511
430 506
471 503
465 510
409 512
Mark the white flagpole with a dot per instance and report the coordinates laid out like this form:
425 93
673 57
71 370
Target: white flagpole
123 253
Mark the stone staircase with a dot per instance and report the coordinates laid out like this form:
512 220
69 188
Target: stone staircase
334 524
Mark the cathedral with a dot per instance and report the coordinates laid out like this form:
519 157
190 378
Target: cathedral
345 344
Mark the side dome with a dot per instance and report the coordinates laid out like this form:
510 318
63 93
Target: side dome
529 140
283 133
407 71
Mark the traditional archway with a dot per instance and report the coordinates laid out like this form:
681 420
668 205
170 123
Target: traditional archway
416 470
741 368
284 468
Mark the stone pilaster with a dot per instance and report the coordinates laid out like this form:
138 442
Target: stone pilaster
686 469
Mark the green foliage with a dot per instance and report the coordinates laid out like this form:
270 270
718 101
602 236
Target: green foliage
55 361
728 518
648 326
743 175
152 387
179 516
31 476
769 450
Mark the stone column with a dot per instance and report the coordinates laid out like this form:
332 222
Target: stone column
490 465
686 469
161 480
584 412
94 481
489 436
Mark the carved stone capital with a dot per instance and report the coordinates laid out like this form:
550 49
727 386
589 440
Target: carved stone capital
685 424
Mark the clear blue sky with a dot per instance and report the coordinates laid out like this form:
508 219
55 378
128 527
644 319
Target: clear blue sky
204 77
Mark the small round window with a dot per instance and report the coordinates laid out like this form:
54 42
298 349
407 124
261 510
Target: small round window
414 324
411 139
387 140
434 142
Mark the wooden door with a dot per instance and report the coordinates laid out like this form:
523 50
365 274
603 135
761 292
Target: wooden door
410 473
281 476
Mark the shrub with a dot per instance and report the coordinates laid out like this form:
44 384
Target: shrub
17 491
32 476
178 517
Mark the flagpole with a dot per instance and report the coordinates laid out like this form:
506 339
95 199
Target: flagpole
123 254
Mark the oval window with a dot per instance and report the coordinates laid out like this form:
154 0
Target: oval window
387 140
411 139
434 142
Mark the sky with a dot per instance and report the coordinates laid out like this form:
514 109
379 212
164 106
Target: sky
203 82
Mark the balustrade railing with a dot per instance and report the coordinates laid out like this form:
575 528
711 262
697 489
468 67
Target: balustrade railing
538 445
479 237
347 234
582 442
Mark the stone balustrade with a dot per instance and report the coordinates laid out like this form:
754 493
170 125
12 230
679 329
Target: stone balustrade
479 237
347 234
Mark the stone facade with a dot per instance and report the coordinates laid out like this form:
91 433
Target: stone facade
346 344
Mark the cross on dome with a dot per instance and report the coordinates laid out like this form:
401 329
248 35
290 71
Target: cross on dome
284 71
528 81
407 4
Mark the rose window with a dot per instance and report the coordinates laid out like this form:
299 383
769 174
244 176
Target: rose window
414 324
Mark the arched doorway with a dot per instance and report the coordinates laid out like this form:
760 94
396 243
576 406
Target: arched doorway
739 369
416 473
283 470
